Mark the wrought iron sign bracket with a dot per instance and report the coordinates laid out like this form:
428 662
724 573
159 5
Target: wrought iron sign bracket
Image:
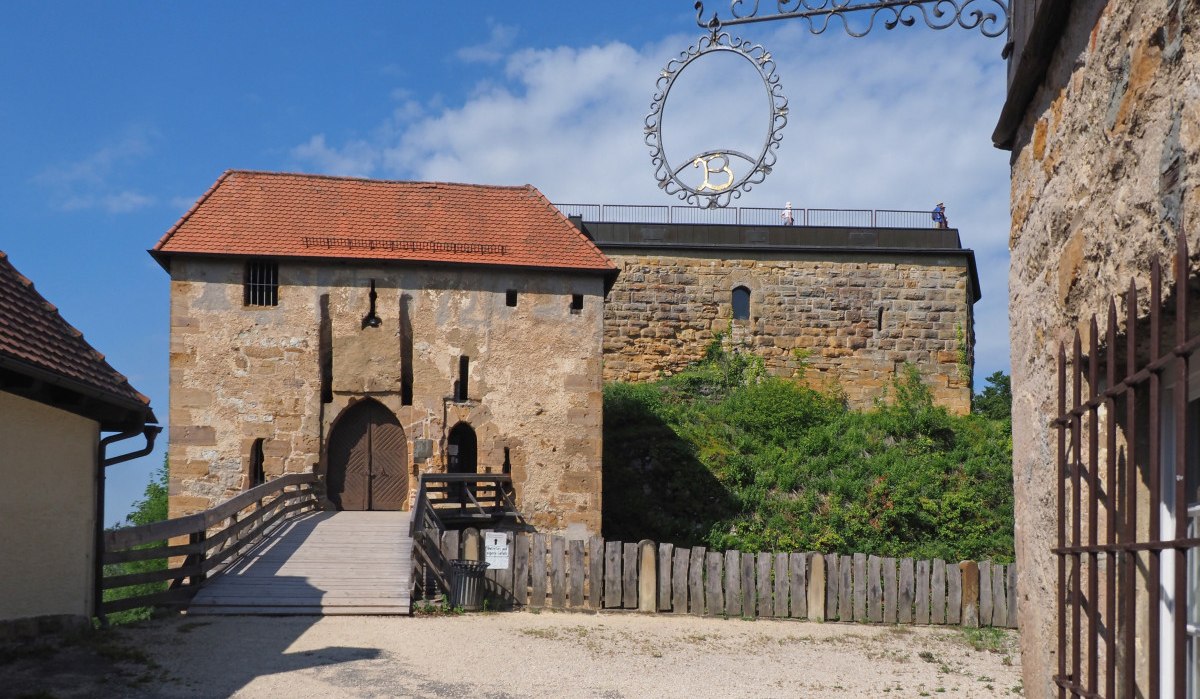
725 174
991 17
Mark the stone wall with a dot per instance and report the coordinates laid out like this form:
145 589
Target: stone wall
812 315
243 373
1105 172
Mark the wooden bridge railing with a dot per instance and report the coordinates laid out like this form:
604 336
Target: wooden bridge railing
453 500
215 538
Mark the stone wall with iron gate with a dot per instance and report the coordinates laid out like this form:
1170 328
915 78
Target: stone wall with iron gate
1105 174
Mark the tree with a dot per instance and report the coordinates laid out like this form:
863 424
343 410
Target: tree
153 505
995 402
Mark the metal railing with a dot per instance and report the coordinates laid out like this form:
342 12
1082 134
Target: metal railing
749 216
449 500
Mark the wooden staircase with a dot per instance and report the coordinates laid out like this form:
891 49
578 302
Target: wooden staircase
319 563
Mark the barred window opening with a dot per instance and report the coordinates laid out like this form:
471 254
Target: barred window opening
261 284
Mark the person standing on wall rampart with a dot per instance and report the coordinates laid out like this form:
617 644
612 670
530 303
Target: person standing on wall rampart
939 216
788 218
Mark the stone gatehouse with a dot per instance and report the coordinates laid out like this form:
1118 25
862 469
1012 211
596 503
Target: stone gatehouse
446 327
844 306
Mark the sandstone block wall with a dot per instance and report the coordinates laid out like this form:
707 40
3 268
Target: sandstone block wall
1105 172
243 373
849 320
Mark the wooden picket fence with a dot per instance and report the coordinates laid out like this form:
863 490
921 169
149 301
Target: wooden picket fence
551 572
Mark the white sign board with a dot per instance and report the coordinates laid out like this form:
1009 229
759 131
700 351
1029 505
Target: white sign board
496 550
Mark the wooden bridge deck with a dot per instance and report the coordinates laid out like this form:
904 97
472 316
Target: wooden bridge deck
320 563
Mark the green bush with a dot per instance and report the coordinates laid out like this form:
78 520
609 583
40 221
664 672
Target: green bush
151 508
725 456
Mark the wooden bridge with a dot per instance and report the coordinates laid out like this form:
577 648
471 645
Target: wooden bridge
272 550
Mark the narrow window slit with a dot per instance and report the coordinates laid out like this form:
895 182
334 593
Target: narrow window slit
460 387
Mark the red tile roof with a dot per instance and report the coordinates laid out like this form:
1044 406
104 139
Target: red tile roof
293 215
36 341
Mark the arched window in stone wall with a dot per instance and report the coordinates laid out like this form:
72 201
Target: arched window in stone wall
741 303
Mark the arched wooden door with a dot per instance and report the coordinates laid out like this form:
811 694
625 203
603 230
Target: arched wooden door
368 459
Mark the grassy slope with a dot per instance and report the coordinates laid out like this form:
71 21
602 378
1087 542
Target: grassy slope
723 456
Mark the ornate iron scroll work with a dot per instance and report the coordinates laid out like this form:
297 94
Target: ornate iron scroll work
721 183
991 17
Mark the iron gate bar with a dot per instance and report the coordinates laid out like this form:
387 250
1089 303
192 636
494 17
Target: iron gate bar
1181 510
1142 376
1079 555
964 13
1110 511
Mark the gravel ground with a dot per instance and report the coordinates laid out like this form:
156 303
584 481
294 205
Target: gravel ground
517 655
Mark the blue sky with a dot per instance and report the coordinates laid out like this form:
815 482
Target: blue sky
115 117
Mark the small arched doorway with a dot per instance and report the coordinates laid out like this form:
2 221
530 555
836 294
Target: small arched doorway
368 459
461 450
461 456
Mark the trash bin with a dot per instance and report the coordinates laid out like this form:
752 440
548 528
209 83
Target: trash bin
466 584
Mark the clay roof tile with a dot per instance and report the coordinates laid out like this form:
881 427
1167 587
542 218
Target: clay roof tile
294 215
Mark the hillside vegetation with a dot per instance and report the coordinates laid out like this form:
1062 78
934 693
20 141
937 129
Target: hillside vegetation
725 456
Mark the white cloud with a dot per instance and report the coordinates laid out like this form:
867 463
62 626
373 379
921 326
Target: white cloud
355 158
899 121
500 38
88 182
115 203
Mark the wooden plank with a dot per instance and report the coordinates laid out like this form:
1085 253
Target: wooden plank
665 553
845 588
891 592
937 597
629 576
748 597
537 571
575 599
922 583
521 569
970 593
647 576
797 594
696 581
1012 596
816 586
733 584
905 598
782 579
999 599
504 580
558 572
595 582
832 581
874 590
985 593
860 587
763 569
714 598
679 580
953 594
613 552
